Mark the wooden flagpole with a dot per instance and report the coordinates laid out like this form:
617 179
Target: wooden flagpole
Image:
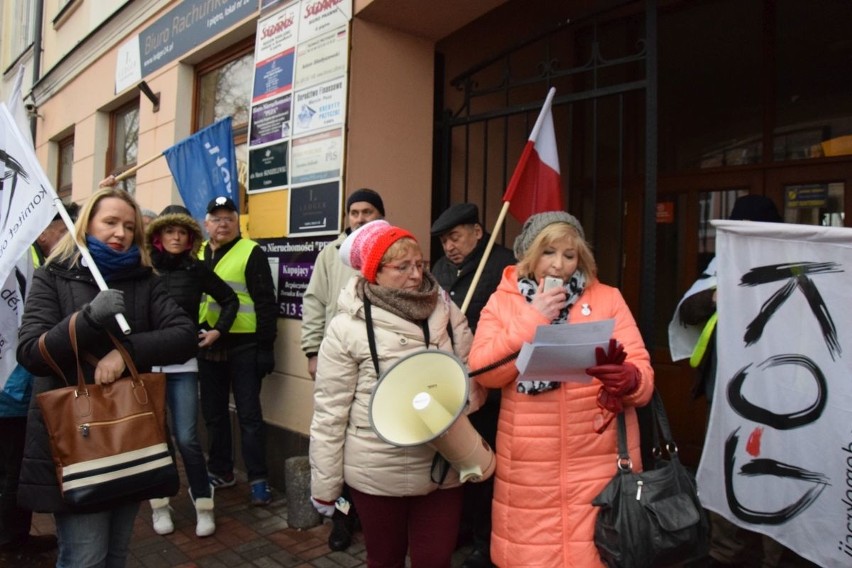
137 167
479 269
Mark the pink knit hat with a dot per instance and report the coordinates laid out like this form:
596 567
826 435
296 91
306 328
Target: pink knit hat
364 248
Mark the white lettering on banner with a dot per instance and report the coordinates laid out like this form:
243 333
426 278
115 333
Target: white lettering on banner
776 457
222 163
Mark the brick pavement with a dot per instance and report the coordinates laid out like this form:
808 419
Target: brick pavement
246 536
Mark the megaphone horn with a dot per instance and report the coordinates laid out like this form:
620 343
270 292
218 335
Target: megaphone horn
420 400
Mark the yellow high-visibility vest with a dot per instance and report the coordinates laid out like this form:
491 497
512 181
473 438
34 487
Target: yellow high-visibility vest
232 269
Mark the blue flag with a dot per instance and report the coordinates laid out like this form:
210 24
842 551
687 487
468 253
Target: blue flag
205 166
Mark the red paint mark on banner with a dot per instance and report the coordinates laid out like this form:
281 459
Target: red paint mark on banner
753 445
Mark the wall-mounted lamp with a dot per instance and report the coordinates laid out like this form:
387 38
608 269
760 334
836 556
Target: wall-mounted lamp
32 110
154 98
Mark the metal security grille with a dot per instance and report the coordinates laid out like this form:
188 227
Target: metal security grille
604 71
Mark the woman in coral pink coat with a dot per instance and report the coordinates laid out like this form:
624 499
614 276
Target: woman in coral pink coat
556 441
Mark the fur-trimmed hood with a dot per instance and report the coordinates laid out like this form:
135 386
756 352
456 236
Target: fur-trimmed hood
155 227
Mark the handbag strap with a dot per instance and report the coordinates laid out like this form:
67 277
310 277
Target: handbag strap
658 418
81 382
45 354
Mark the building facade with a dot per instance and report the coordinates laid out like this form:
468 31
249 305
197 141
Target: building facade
665 112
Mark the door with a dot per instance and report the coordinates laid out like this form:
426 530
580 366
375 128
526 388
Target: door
686 243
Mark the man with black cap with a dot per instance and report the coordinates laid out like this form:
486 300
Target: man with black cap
464 242
730 545
319 305
241 357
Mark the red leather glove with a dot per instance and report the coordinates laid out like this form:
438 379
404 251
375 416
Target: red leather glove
618 377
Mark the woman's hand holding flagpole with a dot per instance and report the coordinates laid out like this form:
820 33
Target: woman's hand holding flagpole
99 279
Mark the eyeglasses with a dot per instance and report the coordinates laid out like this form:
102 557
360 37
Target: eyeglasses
407 267
221 220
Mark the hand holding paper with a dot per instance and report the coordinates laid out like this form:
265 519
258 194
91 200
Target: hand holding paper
563 352
618 377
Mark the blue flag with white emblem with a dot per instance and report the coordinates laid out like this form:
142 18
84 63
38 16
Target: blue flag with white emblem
205 166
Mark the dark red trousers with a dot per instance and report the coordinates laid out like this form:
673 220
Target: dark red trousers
425 527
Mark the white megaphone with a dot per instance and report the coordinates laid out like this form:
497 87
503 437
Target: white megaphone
421 400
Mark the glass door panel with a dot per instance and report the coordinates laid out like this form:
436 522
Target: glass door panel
815 204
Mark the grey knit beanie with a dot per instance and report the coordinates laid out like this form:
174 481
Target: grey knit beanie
536 224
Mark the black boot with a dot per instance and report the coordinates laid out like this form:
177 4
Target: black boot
479 558
341 531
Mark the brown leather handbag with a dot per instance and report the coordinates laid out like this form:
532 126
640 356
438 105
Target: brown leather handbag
109 442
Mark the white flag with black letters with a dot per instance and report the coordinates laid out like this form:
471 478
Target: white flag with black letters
778 454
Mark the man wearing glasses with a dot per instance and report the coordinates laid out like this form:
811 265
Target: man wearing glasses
241 357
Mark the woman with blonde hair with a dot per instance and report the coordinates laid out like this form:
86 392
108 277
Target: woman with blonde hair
556 439
110 225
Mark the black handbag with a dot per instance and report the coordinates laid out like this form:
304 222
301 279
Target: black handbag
652 518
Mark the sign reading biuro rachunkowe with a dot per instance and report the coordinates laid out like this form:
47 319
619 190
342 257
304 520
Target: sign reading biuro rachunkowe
187 25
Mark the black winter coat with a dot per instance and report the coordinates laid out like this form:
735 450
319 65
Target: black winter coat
457 279
186 278
161 334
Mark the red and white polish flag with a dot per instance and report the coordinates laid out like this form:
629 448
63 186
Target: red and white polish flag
536 184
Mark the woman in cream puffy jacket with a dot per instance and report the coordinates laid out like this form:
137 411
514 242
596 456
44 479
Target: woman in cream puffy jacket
556 441
404 503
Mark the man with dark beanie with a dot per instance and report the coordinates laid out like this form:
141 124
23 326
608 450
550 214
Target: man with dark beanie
319 304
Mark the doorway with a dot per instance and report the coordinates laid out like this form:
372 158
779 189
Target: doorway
804 194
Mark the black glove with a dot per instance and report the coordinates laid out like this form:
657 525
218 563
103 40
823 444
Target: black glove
265 362
106 305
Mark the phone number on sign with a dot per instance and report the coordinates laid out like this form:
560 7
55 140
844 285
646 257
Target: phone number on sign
290 309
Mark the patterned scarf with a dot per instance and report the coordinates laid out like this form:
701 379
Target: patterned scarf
528 288
414 306
112 262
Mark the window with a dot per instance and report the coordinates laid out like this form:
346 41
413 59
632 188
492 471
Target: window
224 89
813 90
23 30
66 163
124 143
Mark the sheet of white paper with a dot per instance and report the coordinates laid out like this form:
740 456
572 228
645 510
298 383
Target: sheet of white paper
563 352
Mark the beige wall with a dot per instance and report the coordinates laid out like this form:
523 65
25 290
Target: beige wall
389 146
388 138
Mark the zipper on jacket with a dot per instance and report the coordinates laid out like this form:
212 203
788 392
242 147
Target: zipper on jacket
86 427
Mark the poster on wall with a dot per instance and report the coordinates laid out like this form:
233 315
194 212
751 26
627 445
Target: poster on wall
320 16
315 209
298 108
270 121
274 54
316 157
322 58
319 107
293 261
268 167
273 77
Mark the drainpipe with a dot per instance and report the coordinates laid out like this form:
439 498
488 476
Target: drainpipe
39 16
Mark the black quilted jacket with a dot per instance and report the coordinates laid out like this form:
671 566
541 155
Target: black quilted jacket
161 334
